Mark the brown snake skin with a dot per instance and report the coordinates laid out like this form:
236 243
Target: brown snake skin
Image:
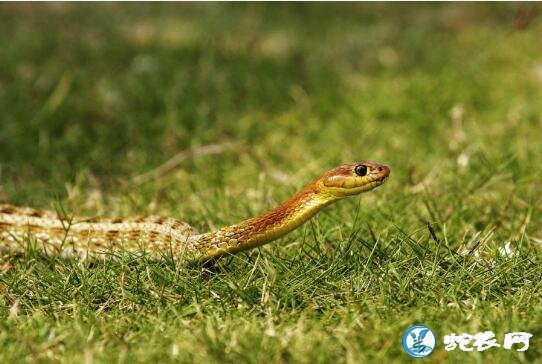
81 237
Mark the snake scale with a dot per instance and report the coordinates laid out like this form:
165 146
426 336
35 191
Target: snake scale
80 236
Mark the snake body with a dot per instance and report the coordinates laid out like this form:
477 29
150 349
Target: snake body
156 235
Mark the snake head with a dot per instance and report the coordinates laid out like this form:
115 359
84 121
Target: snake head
352 179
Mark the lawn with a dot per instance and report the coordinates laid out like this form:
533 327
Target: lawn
92 97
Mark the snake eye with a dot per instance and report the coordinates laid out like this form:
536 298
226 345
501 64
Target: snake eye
361 170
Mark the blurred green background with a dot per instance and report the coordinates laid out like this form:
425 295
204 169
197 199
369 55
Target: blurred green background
449 95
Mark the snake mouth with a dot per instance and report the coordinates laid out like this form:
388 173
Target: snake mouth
378 181
381 179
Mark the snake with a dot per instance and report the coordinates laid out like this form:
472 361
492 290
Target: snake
56 233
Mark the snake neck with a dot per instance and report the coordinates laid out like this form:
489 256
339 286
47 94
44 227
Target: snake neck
265 227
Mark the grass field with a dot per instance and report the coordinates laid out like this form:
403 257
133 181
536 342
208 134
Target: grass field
449 95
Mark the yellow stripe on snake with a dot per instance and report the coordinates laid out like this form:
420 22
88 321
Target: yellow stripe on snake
157 236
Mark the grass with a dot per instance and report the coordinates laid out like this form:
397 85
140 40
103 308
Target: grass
448 95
